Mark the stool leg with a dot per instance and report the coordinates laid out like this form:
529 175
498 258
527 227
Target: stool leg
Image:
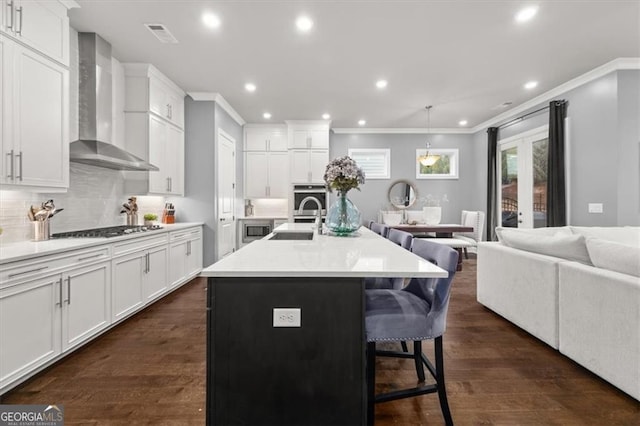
417 359
371 382
404 346
442 392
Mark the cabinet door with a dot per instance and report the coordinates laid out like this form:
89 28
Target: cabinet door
176 108
255 140
158 98
155 280
299 160
126 285
277 140
256 175
317 165
158 180
278 174
319 139
40 128
174 160
194 257
177 262
44 26
300 139
6 142
30 318
86 303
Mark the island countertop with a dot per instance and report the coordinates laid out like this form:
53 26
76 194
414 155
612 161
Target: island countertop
365 254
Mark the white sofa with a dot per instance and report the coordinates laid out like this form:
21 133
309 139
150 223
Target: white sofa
576 289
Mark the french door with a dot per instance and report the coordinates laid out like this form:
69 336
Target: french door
522 179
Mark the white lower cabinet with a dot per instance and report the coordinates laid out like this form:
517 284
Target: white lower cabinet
185 255
139 274
49 306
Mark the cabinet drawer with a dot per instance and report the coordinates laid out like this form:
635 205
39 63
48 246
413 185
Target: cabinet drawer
138 244
19 271
187 234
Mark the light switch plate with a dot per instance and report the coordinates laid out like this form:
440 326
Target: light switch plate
595 208
286 317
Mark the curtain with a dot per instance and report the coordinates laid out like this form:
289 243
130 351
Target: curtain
556 187
492 188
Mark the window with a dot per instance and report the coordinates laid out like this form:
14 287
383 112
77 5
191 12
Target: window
375 163
445 168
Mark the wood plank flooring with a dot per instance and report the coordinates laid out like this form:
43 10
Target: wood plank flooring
151 370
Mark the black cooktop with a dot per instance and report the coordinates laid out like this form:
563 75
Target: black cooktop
110 231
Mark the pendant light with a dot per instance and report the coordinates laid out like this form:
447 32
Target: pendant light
427 159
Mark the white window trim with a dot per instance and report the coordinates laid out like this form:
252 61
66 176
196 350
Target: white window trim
368 174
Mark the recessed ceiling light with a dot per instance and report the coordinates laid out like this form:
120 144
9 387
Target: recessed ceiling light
526 14
462 122
250 87
326 116
381 84
211 20
362 122
304 23
267 115
531 85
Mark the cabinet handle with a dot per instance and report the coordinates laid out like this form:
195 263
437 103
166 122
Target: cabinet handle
188 248
20 163
27 272
68 290
89 257
10 6
309 176
11 164
171 112
170 184
59 282
148 263
19 30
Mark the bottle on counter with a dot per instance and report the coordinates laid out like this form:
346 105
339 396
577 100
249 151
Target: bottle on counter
248 209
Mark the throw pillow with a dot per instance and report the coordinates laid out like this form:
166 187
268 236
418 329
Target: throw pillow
629 235
614 256
559 244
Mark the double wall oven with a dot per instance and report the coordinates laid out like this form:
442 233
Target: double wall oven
309 211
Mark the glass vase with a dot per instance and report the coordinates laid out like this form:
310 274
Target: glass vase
343 217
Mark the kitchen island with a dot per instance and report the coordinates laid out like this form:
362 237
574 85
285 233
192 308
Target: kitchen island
285 326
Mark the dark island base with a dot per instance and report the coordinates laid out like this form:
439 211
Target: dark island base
261 375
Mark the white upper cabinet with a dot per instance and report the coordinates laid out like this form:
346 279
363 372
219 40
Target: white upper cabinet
308 150
311 139
265 138
148 90
42 25
35 125
266 174
154 120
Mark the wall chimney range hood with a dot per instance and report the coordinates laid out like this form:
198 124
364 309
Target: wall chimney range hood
94 145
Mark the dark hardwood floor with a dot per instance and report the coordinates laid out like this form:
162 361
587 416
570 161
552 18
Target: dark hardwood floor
151 370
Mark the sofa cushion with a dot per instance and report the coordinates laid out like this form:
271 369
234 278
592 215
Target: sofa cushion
629 235
558 242
614 256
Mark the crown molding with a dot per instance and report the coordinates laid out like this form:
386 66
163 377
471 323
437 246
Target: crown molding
70 4
397 131
220 100
615 65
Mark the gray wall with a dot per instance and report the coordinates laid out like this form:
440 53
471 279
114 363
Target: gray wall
373 195
202 120
603 152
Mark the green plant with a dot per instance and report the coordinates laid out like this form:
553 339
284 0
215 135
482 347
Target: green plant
150 216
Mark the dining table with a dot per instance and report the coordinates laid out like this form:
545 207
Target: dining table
444 230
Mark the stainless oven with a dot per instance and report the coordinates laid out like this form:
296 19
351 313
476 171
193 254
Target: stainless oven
255 229
300 192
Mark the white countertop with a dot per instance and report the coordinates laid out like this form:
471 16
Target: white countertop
365 254
13 252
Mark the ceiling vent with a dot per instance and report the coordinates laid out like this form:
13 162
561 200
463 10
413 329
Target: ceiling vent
162 33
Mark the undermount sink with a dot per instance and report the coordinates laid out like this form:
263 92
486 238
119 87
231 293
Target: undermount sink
292 236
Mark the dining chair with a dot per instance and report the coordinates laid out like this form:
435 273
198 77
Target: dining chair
464 240
380 229
370 223
417 312
401 238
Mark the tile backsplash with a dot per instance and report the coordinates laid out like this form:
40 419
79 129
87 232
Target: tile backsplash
94 199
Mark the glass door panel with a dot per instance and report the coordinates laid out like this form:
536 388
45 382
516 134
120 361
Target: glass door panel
509 186
540 149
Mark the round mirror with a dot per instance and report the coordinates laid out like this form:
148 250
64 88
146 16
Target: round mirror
402 194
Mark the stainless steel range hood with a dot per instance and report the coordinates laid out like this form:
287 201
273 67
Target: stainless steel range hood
94 144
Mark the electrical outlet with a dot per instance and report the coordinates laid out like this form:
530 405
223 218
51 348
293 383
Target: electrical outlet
286 317
595 208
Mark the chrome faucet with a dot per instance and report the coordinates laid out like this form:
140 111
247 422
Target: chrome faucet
318 222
